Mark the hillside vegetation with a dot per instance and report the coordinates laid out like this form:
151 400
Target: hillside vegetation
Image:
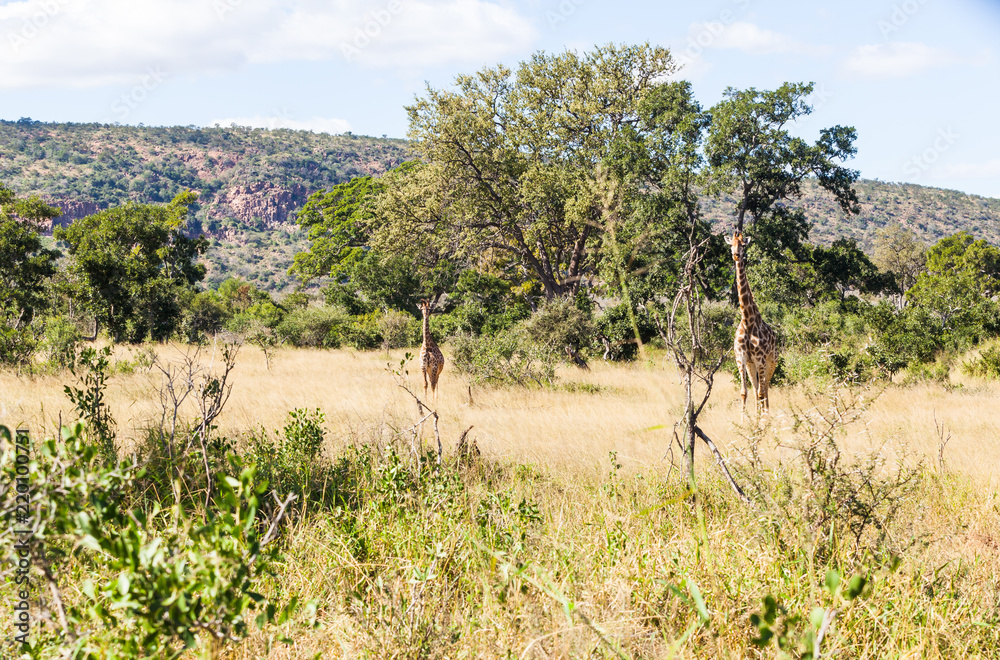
251 183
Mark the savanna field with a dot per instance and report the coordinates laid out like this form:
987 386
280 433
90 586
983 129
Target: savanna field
222 464
573 533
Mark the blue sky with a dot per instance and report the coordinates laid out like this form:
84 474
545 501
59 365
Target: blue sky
918 79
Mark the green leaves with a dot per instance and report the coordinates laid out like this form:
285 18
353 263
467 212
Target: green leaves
131 261
174 574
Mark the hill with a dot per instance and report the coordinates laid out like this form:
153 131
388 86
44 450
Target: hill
252 181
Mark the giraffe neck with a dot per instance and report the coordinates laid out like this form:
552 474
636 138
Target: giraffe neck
427 330
748 308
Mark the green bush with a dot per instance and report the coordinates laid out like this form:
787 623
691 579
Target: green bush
316 327
60 342
987 365
398 329
559 323
617 335
153 581
508 358
289 460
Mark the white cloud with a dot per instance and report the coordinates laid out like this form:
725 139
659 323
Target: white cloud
316 124
743 36
756 40
900 59
84 43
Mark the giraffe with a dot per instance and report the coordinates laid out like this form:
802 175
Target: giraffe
431 359
756 345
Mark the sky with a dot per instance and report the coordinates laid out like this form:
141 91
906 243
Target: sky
918 79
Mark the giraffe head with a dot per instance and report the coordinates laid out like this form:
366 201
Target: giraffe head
425 306
737 243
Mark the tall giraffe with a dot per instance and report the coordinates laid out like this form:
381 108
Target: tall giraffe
431 359
756 345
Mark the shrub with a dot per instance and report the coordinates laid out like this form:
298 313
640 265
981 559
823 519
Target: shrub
288 461
398 329
507 358
60 341
559 323
153 580
617 335
987 365
316 327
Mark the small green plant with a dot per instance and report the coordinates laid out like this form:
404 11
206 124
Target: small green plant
288 461
155 580
60 342
794 636
91 369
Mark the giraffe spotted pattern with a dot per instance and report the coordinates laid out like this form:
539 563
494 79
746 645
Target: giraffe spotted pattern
431 358
756 345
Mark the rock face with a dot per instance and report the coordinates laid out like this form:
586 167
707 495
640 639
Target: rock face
260 204
72 209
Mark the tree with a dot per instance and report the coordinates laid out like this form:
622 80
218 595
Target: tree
899 253
958 287
25 264
25 267
132 261
754 155
510 161
341 222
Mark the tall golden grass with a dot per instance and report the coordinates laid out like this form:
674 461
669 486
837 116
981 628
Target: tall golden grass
606 568
625 408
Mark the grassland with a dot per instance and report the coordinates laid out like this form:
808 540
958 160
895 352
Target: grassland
571 536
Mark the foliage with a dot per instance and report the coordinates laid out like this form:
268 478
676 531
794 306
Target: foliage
506 358
24 263
166 576
133 261
290 462
509 169
560 323
318 327
899 253
91 368
60 341
621 330
986 365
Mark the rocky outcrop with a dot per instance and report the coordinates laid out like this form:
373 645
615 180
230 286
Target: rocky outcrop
259 204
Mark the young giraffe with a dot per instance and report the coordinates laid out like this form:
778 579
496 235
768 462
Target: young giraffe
756 345
431 359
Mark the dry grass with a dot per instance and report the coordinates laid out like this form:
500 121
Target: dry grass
615 545
625 408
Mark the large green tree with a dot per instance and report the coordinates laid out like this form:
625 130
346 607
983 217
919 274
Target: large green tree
131 261
959 286
341 222
510 178
25 263
25 267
